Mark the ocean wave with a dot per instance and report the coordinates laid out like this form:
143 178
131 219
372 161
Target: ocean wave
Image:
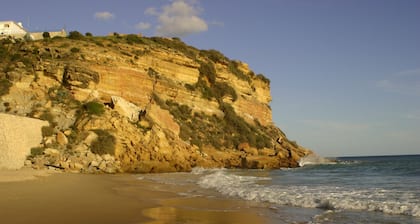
201 170
323 197
313 159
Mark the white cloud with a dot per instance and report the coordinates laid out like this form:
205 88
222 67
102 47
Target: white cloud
178 19
404 82
104 16
143 26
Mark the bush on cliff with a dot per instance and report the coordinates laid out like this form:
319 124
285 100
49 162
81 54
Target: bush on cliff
220 132
177 44
134 39
61 95
37 151
94 108
263 78
104 144
222 89
75 50
47 131
4 86
214 55
76 35
46 35
208 70
233 68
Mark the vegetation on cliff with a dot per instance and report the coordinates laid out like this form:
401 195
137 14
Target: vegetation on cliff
204 101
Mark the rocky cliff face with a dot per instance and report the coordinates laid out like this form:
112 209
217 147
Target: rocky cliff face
155 104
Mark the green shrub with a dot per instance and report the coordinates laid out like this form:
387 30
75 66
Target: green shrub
37 151
222 89
180 112
208 70
99 43
233 68
88 34
47 131
4 86
94 108
214 55
133 39
48 116
263 78
16 57
206 91
176 44
75 50
76 35
63 45
104 144
189 87
46 35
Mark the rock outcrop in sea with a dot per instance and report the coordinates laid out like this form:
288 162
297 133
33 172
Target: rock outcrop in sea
126 103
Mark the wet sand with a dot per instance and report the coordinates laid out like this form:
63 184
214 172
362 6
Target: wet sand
79 198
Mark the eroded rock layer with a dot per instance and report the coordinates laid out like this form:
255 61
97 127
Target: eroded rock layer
152 104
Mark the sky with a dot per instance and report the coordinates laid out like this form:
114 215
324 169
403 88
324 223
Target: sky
345 74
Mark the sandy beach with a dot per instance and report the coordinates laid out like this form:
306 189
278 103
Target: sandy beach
29 196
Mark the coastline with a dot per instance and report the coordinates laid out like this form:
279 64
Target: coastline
23 174
45 197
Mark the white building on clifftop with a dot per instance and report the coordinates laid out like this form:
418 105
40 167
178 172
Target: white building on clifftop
12 29
17 31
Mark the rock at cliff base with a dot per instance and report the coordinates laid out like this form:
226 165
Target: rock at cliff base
17 136
61 138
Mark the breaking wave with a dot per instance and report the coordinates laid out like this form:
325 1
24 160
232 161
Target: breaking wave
323 197
313 159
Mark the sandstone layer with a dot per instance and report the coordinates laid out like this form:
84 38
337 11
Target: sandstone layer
152 104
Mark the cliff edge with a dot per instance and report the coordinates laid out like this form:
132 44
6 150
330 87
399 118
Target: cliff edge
127 103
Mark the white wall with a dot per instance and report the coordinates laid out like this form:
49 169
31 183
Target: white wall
10 28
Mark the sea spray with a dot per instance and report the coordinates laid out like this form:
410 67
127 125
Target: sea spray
314 159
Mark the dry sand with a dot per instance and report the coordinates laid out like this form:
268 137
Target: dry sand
78 198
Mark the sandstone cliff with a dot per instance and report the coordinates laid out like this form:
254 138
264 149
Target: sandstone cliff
154 104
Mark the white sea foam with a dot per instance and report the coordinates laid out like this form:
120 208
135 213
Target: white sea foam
201 170
314 159
324 197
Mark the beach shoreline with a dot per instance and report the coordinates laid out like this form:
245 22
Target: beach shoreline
32 196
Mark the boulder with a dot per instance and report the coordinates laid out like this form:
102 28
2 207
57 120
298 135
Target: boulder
102 166
78 166
125 108
92 136
61 138
14 148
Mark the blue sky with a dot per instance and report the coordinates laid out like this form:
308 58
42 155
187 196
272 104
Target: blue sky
345 75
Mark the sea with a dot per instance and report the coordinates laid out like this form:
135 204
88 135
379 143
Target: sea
374 189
